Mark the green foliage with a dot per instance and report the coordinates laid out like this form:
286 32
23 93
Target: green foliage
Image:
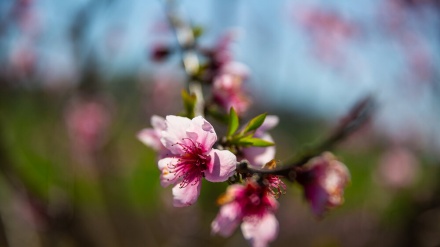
233 122
189 103
245 138
255 142
254 123
198 31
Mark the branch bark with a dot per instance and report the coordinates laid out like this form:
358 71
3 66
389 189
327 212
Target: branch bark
359 114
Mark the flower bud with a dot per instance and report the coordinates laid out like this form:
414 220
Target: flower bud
160 52
324 179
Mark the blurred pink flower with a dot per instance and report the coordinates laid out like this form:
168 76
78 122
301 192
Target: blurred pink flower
329 33
23 59
161 91
228 92
251 205
151 136
324 179
397 19
28 17
259 156
192 158
222 53
220 59
160 52
398 168
87 121
237 69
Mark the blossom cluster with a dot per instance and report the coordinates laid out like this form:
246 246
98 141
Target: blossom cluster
189 150
187 154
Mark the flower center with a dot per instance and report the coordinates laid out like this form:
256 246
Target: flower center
192 164
254 201
276 186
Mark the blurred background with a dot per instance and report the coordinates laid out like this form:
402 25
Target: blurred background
77 83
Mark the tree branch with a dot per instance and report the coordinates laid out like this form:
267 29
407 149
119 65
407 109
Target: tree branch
187 42
359 114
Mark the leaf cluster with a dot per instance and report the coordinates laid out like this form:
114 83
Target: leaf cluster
245 137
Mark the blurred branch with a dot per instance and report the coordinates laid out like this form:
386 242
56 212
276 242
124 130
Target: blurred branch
359 114
187 43
3 238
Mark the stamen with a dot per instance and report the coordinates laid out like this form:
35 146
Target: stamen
191 165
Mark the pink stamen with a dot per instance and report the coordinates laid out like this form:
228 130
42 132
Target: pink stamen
254 201
191 165
276 186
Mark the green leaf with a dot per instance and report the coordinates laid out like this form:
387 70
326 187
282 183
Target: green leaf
254 123
198 31
232 122
189 102
255 142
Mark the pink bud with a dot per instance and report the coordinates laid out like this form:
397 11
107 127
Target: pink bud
87 122
160 52
228 92
398 168
324 179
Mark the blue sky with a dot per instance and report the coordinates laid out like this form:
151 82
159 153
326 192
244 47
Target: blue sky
279 52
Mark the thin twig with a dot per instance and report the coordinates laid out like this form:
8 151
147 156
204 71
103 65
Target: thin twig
357 116
187 42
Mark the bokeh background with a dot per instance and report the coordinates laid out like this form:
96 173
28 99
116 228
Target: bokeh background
77 83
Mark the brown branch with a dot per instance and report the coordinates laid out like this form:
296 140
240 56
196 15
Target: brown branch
360 113
187 43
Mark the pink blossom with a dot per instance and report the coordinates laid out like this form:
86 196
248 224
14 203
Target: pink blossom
228 92
251 205
324 179
259 156
151 136
237 69
329 32
222 53
160 52
192 158
23 59
398 168
87 122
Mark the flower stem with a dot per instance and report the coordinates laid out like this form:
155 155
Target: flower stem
187 42
359 114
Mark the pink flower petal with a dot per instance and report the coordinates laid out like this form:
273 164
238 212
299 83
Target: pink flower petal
227 220
187 195
237 69
259 156
324 180
259 232
202 132
150 138
222 166
158 122
167 178
175 133
269 123
317 197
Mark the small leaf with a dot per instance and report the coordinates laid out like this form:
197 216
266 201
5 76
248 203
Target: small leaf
232 122
255 123
189 102
198 31
255 142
